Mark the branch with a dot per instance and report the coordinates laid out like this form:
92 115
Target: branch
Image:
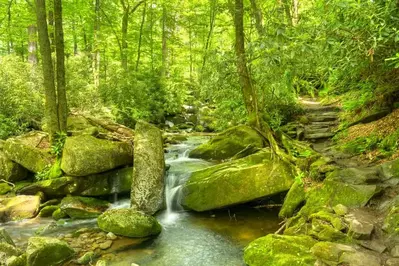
136 6
112 27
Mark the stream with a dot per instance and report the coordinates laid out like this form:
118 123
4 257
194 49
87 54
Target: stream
214 238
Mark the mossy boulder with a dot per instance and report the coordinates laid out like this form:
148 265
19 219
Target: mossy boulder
281 250
389 170
5 237
147 192
85 155
391 221
103 184
330 193
47 251
293 199
254 177
16 260
48 211
11 171
19 207
31 150
7 251
59 214
129 223
228 143
83 207
5 188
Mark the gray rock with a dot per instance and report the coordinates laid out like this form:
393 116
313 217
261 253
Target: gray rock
374 245
340 209
392 262
355 176
147 192
359 259
360 229
389 170
395 251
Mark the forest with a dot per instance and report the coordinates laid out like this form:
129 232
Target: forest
203 132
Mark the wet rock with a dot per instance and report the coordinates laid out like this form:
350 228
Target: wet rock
111 182
48 211
85 155
59 214
83 207
374 245
238 181
47 251
128 222
31 150
228 143
106 245
11 171
280 250
5 237
294 198
19 207
87 258
147 194
5 188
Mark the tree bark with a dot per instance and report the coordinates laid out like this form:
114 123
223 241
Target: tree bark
141 35
212 16
257 14
125 24
10 40
32 44
165 52
48 71
96 49
60 67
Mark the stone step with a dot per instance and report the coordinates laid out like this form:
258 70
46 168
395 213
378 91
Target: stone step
323 124
324 117
311 130
327 108
319 135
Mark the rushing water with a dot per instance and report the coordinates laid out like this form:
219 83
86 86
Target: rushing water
214 238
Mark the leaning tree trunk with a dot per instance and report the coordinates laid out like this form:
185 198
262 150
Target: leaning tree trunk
60 67
48 72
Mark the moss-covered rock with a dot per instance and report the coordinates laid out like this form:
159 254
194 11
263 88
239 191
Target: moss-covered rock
85 155
228 143
59 214
247 179
293 199
390 169
19 207
31 150
331 193
355 176
5 188
47 251
330 252
114 181
319 168
48 211
128 222
16 260
147 192
11 171
9 250
83 207
5 237
281 250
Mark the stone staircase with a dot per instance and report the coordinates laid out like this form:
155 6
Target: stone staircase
322 120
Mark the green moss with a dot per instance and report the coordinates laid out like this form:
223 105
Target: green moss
59 214
85 155
11 171
130 223
5 237
16 261
9 250
297 225
330 252
83 207
329 217
5 188
250 178
325 231
281 250
47 251
295 196
48 211
228 143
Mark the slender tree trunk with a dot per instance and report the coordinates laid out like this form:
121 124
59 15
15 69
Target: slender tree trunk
248 91
51 26
48 71
9 35
257 13
96 49
295 12
60 67
32 44
152 35
125 24
212 16
141 35
190 40
165 50
75 38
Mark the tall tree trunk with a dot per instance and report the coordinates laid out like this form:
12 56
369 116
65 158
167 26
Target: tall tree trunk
190 40
295 12
9 35
60 67
141 35
248 91
257 14
48 71
125 23
212 16
32 44
165 52
75 38
96 49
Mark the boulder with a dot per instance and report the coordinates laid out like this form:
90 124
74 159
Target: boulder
228 143
11 171
129 223
31 150
293 199
280 250
83 207
16 261
85 155
48 211
147 192
253 177
103 184
5 237
390 169
19 207
355 176
8 251
47 251
5 188
59 214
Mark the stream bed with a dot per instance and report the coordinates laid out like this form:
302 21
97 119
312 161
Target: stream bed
214 238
